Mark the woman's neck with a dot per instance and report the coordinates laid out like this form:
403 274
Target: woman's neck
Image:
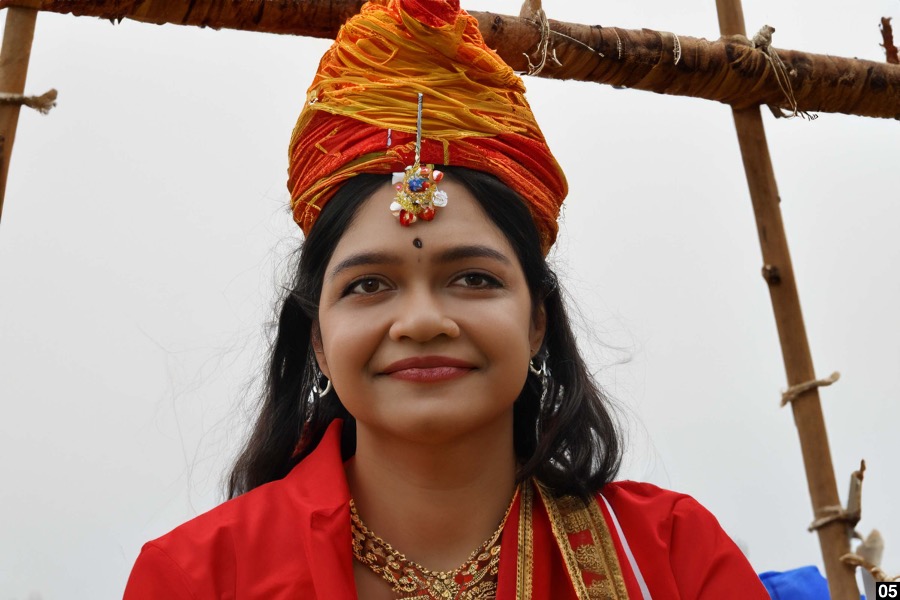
434 503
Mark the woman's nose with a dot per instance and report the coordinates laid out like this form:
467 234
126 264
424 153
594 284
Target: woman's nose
421 317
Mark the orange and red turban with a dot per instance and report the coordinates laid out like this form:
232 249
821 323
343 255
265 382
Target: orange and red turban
360 111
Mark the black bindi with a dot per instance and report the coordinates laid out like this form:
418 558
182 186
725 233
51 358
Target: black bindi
417 243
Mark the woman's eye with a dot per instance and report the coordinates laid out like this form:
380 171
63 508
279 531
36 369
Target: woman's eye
369 285
478 280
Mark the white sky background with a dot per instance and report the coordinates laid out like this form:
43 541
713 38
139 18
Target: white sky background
145 228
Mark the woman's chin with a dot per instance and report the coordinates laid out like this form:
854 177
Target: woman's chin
437 422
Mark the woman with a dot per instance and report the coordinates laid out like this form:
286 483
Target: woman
429 428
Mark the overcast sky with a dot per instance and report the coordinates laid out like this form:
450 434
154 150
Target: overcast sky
145 232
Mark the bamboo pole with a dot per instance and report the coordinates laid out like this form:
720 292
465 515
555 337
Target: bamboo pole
14 55
778 272
727 70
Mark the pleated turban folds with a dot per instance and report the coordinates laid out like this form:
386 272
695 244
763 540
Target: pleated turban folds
360 111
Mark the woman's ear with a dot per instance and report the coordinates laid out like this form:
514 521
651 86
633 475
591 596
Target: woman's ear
315 338
538 328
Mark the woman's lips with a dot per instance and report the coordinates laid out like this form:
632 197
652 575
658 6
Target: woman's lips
427 369
429 375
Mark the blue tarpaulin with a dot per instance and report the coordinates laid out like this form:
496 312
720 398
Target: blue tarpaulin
805 583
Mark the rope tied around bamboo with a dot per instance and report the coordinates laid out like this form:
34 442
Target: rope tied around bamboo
878 574
532 12
795 391
850 515
42 103
830 514
630 59
669 49
868 553
762 41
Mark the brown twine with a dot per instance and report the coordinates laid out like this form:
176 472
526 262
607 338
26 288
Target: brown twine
575 41
795 391
531 9
829 514
666 38
42 103
762 41
677 49
855 560
868 556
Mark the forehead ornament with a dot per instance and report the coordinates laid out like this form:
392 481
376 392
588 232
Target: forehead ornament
417 194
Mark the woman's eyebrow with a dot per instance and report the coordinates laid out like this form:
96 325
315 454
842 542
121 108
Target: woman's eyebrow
363 259
471 251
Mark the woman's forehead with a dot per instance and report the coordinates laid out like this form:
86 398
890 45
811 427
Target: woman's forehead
462 222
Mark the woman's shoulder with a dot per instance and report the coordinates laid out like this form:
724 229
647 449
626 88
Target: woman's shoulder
680 542
639 492
264 514
233 519
171 565
202 557
263 537
646 502
647 507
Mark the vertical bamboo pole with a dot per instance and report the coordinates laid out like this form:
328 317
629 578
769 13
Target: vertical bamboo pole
14 55
834 538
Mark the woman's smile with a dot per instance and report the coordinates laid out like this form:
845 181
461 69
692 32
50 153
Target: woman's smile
428 369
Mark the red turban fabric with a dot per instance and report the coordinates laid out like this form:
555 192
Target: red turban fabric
360 114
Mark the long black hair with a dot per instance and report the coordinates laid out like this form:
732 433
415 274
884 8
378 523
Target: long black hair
565 434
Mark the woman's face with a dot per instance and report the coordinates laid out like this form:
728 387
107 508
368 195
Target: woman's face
426 331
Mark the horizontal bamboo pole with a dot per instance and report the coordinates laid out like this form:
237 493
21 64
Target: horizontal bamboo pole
728 70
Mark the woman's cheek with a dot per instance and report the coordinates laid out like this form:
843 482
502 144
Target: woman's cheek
350 339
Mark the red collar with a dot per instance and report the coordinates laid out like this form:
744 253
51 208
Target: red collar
319 487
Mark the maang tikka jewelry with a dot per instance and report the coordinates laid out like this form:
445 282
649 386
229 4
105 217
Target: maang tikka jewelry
417 194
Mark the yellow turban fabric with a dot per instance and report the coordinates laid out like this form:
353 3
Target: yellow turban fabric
360 113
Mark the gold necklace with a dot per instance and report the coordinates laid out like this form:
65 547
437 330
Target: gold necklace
475 579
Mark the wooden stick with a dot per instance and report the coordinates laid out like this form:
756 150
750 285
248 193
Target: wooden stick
14 55
728 70
891 53
778 271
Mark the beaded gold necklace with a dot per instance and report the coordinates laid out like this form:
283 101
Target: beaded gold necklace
475 579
